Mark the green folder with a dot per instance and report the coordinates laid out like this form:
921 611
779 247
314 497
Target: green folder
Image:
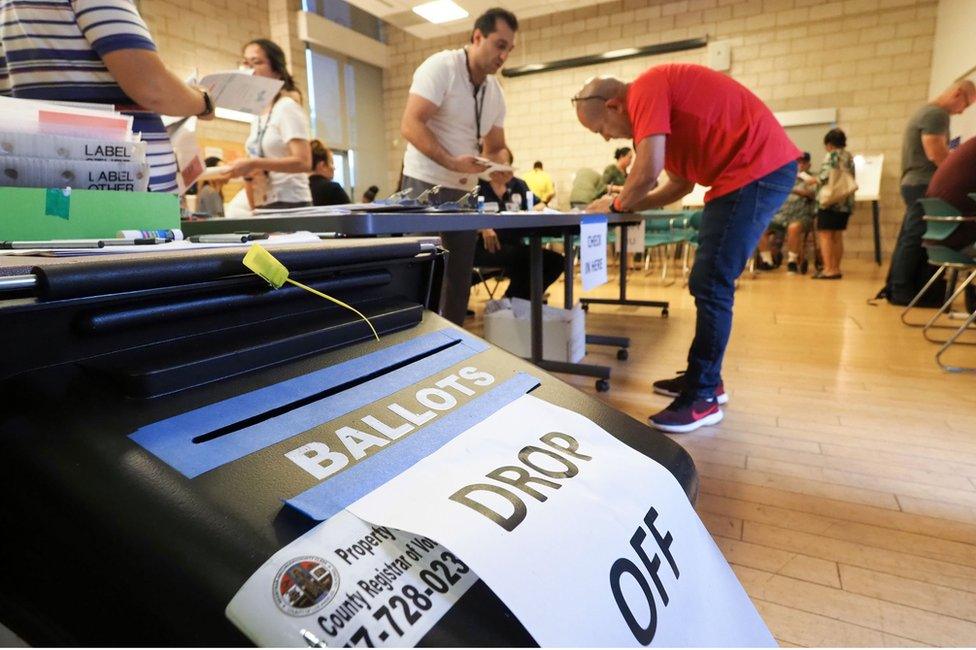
30 213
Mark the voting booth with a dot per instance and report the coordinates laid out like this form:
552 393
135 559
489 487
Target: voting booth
189 457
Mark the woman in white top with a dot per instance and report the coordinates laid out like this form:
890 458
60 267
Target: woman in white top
276 173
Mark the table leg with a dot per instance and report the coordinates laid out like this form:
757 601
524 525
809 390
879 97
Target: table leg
876 220
535 284
623 300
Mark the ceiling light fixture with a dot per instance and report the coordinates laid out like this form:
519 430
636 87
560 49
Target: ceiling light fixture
440 11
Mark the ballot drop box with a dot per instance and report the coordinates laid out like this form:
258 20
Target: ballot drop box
191 457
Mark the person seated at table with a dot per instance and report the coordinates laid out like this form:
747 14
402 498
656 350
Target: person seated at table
615 174
588 186
325 191
794 218
210 196
505 248
540 182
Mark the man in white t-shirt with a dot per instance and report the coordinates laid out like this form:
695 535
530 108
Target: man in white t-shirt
455 113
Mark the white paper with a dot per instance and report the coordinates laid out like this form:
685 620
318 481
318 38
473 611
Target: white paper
213 172
241 91
553 563
635 238
494 166
593 251
36 116
354 583
186 148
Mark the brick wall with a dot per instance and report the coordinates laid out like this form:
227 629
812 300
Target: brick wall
207 35
869 59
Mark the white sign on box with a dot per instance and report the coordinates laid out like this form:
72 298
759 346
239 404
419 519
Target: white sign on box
346 582
593 251
588 542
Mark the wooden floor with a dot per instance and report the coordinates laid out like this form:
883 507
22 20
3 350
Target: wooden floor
841 485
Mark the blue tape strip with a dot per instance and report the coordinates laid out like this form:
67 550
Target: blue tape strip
331 496
171 440
595 218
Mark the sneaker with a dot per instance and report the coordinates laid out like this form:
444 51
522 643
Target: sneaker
763 265
686 414
676 386
804 265
792 268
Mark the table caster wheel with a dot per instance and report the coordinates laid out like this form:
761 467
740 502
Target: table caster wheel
665 313
602 385
622 354
585 306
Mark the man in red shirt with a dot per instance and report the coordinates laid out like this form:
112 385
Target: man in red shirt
699 126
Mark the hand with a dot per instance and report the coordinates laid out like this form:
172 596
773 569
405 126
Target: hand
492 245
243 167
539 207
467 165
602 204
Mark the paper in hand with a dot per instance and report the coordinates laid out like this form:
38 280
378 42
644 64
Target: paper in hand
241 91
494 167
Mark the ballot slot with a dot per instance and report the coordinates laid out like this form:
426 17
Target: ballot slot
205 438
351 383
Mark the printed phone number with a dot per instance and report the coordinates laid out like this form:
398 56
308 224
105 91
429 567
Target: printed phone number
406 608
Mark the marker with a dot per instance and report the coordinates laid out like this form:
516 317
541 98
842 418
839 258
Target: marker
54 243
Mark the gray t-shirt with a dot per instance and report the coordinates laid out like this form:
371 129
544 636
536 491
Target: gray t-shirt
916 168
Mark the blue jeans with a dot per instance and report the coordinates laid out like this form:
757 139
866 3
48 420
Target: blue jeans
730 229
908 255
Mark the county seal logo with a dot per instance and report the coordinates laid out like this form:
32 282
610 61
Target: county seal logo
305 585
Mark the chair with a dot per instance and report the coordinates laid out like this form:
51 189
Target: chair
484 273
959 332
692 226
941 220
663 233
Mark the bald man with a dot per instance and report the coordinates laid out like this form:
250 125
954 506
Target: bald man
699 126
924 148
926 142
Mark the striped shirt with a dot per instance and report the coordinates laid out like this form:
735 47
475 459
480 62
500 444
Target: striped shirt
53 49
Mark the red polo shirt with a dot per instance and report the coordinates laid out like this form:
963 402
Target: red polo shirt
718 133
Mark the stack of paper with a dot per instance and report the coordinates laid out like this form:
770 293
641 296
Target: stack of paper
47 144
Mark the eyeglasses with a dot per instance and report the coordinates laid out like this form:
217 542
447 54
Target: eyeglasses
580 98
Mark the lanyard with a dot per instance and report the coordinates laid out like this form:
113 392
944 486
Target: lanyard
261 130
478 105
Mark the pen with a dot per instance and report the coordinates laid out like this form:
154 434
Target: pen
251 236
137 241
219 239
54 243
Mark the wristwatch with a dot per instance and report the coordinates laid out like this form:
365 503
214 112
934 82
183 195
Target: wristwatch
208 105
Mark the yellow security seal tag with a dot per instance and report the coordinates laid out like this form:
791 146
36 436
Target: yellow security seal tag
263 263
